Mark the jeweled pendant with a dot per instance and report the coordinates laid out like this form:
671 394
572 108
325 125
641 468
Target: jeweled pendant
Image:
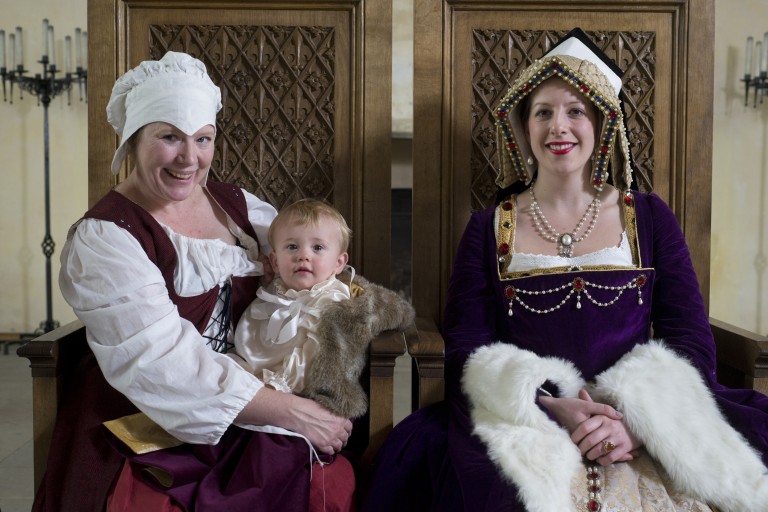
565 245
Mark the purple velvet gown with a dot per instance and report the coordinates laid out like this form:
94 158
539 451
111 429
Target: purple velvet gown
432 461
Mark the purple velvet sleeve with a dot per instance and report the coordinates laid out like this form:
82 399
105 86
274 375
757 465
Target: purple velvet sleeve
470 316
678 314
680 319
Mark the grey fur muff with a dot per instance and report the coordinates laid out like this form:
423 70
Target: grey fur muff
345 330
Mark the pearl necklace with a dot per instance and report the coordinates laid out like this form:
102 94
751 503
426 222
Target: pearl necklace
564 241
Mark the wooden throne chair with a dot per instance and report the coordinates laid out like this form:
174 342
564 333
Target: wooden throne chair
467 54
306 89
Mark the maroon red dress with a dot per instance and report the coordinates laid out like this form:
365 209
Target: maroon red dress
245 471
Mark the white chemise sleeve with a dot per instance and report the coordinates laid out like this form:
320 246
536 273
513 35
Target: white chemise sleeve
144 348
260 214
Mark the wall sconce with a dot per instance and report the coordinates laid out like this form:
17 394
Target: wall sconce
759 81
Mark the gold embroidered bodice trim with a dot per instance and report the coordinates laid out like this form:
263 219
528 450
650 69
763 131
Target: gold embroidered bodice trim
578 286
505 239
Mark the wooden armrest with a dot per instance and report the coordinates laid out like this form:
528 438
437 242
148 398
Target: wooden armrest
384 350
47 354
427 349
743 354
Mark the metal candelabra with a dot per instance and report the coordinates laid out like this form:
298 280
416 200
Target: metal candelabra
759 84
45 86
759 81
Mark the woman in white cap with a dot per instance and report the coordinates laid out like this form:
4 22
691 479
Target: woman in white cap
159 270
557 398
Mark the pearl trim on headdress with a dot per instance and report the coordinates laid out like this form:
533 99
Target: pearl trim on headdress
540 71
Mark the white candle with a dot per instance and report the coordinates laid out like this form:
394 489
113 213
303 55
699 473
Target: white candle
12 50
748 57
85 50
19 51
765 52
45 37
759 59
78 48
68 54
2 48
51 47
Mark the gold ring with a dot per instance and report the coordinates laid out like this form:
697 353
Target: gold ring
608 447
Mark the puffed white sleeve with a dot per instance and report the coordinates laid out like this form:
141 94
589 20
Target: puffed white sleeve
260 214
146 351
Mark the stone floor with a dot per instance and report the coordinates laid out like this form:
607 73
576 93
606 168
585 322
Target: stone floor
16 480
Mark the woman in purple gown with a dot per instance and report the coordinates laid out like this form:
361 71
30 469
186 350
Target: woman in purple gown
579 359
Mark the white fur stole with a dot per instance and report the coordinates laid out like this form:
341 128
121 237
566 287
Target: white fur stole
665 404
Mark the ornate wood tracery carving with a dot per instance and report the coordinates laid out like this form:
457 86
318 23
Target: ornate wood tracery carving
276 130
498 56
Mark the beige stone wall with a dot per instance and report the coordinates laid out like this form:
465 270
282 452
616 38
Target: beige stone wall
22 217
740 174
402 68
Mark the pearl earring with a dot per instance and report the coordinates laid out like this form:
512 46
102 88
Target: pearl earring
530 160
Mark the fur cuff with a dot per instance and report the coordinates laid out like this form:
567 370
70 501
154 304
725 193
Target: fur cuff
533 452
669 408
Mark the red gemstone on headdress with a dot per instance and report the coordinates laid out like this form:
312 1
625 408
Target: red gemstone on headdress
640 280
503 249
526 87
597 181
584 89
612 113
594 505
509 292
506 206
502 113
511 146
604 149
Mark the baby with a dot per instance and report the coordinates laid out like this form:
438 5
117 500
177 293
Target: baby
302 334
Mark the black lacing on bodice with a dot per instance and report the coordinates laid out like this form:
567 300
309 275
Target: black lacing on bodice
220 323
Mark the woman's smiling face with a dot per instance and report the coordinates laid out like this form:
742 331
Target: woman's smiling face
561 127
170 163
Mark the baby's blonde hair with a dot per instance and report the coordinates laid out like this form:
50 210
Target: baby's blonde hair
310 211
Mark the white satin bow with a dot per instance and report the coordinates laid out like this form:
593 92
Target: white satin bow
283 308
283 323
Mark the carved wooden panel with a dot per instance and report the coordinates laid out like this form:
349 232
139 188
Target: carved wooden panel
498 57
305 90
276 130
